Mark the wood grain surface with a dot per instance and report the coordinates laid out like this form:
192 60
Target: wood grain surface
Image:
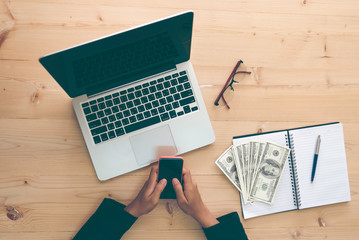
303 55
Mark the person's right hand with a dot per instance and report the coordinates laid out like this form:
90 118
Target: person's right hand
190 200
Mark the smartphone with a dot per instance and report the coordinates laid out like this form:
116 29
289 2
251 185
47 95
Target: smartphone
169 168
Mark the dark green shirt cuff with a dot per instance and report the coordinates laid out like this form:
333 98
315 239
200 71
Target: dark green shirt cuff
110 221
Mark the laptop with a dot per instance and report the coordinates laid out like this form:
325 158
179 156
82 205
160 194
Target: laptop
135 95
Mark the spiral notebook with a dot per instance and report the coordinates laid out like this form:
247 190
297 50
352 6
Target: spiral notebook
295 190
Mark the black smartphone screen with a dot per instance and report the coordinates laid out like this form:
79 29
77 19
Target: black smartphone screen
170 168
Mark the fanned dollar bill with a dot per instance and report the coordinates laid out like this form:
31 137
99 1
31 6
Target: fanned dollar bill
254 168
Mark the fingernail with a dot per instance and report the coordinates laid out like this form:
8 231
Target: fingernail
175 181
163 181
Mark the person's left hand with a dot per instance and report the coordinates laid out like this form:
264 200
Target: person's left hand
149 196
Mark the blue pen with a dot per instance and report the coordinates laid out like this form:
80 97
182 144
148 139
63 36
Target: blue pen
315 158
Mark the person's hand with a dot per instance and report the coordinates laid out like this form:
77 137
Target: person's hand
190 200
148 198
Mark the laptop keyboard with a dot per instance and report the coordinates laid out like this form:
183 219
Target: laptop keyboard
140 106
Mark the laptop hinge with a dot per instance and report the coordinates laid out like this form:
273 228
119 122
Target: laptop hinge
124 85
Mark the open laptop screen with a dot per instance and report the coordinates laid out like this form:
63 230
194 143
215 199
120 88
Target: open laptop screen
123 57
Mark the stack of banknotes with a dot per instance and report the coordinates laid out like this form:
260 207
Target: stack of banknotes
255 169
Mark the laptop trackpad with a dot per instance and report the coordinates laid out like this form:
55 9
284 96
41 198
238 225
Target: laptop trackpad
150 145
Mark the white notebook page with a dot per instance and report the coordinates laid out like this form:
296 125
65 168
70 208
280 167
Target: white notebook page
331 184
283 200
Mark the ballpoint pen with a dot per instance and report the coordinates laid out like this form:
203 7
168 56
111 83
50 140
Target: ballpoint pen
315 158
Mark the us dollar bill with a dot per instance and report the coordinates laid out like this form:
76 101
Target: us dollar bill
226 163
269 172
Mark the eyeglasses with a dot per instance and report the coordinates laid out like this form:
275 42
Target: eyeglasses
229 84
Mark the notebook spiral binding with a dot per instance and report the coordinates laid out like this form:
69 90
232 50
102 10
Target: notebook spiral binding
293 171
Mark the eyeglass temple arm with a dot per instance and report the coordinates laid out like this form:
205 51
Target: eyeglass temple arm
224 88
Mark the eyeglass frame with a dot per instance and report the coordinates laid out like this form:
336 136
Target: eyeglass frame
230 80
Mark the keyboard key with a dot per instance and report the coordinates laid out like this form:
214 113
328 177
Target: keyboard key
167 77
110 126
175 75
152 89
169 99
87 110
112 118
187 85
94 124
101 99
104 137
144 100
165 116
123 92
179 88
116 101
153 82
115 109
109 103
155 103
186 93
131 96
168 107
173 90
108 97
167 84
108 111
119 132
151 97
175 105
93 102
186 109
182 73
98 130
129 104
145 85
147 114
174 82
194 108
115 94
141 108
97 139
139 117
101 105
119 115
138 87
125 121
161 109
160 80
173 114
136 102
126 113
142 124
123 98
86 104
180 113
130 90
111 134
145 91
118 124
159 86
122 106
104 120
91 117
94 108
182 79
158 95
165 92
138 94
154 112
177 96
134 111
187 101
163 101
148 106
100 114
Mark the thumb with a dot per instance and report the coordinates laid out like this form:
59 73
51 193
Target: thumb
178 189
159 188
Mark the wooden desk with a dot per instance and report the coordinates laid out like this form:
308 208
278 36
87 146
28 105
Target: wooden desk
304 58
